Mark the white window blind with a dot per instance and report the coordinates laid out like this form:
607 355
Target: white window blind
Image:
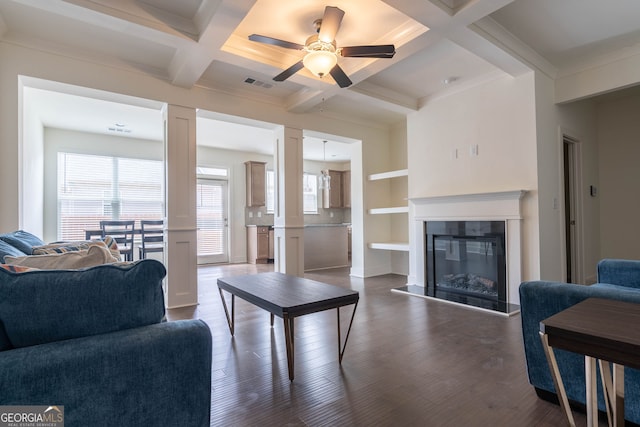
95 188
210 217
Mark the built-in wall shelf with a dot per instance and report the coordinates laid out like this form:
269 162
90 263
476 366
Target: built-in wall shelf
381 211
390 174
390 246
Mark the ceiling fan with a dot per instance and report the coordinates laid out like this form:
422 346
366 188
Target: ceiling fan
322 53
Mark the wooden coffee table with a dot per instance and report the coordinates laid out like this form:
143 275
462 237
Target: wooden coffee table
601 329
287 297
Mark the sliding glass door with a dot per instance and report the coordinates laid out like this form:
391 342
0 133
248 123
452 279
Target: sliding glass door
212 195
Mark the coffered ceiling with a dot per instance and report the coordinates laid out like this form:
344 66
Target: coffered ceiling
204 42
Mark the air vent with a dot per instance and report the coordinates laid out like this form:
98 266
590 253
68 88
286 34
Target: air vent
255 82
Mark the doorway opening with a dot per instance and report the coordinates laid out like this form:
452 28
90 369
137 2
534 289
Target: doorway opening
212 218
572 202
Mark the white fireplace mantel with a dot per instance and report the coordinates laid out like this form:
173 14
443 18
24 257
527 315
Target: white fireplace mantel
496 206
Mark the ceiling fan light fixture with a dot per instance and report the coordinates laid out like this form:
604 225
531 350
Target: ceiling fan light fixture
321 56
320 62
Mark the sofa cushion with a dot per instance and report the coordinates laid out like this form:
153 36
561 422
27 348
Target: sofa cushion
23 240
95 255
8 250
51 305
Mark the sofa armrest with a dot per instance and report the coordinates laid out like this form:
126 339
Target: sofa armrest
621 272
542 299
152 375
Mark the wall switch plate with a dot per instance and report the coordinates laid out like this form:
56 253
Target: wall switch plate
259 214
473 150
454 154
250 214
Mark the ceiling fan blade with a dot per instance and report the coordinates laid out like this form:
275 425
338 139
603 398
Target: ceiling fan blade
376 51
289 72
276 42
330 23
340 77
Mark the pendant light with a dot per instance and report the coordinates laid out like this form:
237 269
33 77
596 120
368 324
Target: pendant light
325 178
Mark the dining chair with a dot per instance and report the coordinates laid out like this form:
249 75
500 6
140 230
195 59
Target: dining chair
122 231
152 236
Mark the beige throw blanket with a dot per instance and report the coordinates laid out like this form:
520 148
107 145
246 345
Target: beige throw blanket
95 255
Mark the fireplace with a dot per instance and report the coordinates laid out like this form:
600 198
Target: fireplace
465 261
475 244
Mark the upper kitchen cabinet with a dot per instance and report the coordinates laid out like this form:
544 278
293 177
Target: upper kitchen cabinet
256 189
339 193
346 189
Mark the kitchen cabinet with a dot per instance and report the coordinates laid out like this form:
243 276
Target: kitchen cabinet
346 189
258 245
339 193
326 246
256 188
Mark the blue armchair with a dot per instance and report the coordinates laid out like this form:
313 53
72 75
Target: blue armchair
617 279
94 342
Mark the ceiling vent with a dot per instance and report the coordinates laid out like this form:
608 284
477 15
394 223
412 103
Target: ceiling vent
255 82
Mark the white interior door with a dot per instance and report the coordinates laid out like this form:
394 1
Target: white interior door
213 246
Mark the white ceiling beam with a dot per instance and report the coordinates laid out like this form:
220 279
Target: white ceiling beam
190 62
382 97
498 36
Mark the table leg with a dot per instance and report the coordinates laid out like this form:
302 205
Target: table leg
613 391
592 391
230 319
618 400
607 389
342 347
557 379
288 337
271 319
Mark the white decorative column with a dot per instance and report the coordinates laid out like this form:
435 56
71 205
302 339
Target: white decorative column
288 215
181 238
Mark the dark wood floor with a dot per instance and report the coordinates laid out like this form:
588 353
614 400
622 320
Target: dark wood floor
408 362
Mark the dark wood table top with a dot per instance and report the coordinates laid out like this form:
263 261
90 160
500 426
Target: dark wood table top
286 295
601 328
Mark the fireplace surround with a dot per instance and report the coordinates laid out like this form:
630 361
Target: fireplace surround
484 208
466 259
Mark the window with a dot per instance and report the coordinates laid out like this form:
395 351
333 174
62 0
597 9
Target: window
309 192
95 188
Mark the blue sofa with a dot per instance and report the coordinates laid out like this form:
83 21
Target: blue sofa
617 279
94 341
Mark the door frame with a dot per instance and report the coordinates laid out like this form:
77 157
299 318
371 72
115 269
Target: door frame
571 190
223 258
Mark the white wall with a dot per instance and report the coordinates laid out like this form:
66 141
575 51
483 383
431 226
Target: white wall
499 118
33 164
618 123
576 120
